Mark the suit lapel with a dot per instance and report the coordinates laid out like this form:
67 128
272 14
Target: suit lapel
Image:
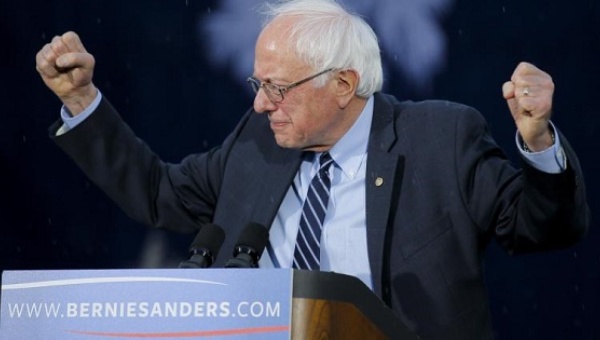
383 183
279 174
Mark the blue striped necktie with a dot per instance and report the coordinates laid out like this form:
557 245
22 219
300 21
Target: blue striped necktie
307 254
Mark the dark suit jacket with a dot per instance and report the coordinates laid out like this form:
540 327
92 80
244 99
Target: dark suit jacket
447 189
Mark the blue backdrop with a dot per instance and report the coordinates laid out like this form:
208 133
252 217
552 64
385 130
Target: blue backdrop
176 72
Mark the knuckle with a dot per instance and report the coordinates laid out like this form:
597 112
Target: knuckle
57 44
48 53
42 66
70 37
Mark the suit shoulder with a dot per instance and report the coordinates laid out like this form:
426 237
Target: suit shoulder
430 106
438 109
432 115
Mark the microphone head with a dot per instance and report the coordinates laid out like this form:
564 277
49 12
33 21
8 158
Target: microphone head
250 246
210 236
254 236
206 245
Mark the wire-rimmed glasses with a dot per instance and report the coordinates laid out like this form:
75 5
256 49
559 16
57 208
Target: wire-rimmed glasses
275 92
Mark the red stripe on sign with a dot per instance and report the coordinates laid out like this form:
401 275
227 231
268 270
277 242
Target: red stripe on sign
223 332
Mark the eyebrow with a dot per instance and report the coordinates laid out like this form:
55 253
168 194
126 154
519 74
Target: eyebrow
272 80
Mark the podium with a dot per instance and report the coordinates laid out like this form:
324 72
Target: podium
192 304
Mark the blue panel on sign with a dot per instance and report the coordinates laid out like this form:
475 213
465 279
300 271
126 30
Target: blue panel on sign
147 303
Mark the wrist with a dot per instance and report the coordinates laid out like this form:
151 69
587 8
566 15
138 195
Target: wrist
543 143
76 104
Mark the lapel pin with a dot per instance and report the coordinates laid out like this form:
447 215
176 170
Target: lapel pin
378 181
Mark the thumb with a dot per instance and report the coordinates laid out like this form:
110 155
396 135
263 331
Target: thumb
508 90
75 60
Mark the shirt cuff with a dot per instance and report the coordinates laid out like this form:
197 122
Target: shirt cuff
552 160
71 122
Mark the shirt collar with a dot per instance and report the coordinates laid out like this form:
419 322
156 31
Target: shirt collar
349 152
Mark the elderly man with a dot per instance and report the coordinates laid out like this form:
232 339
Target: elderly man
403 195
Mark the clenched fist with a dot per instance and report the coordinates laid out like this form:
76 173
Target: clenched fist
67 69
529 97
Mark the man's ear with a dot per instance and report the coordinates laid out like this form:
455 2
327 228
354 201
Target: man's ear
346 82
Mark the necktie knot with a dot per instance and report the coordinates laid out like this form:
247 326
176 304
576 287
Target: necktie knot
325 161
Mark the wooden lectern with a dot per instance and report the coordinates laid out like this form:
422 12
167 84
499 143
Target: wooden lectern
326 305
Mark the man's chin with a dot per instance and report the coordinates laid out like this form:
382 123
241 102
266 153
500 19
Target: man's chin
284 142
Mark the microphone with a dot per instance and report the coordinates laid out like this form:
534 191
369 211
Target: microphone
249 247
205 247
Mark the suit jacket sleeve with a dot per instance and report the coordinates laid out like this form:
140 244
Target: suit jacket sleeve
528 210
177 197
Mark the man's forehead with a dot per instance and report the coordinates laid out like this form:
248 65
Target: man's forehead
276 35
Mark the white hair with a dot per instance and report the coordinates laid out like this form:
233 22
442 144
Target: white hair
328 36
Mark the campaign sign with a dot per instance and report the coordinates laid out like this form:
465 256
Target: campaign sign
146 303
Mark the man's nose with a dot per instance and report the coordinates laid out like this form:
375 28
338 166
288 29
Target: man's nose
262 103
